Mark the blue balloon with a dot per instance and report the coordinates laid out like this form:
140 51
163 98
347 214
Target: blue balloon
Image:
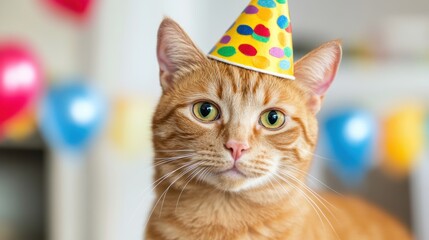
350 137
71 114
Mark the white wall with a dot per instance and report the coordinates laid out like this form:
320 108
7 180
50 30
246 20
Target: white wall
420 187
57 41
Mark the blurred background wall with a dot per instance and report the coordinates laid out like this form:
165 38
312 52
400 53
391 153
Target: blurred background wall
105 192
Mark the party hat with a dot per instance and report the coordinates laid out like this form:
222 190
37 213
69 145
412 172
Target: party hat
259 40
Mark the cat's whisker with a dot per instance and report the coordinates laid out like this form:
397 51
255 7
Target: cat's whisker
303 194
309 201
165 161
170 173
314 204
310 188
288 167
315 195
159 198
206 173
176 157
175 151
192 176
314 178
188 169
314 154
284 189
307 174
156 183
315 207
294 202
274 188
161 161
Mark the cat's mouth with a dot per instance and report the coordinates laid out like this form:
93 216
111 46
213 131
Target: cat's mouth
233 172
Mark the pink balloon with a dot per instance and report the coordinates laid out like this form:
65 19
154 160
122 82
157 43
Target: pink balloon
20 80
78 8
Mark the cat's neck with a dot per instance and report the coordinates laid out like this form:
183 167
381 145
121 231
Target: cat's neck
211 207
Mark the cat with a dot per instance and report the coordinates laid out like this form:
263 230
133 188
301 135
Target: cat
233 148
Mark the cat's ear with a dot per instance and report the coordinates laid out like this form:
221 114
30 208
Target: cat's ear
175 52
317 70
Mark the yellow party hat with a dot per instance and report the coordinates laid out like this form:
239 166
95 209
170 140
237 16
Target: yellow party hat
259 40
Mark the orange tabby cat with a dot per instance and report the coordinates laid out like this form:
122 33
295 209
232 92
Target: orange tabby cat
233 147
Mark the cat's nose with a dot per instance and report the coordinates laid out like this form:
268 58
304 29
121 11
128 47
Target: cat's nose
236 148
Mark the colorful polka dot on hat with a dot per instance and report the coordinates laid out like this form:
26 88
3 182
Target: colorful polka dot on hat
260 39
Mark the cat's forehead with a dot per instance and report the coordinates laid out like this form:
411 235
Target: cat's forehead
237 86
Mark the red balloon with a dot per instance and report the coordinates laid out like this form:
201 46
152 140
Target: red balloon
78 8
20 80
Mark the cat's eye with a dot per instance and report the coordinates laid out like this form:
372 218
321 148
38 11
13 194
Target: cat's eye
272 119
205 111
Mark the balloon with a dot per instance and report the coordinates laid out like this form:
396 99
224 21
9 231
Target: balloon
20 80
350 139
70 115
78 8
22 126
403 138
131 125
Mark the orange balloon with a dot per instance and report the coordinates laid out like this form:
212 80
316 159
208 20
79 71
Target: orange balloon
403 138
21 126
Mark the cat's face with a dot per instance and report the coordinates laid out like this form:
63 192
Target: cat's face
231 128
218 106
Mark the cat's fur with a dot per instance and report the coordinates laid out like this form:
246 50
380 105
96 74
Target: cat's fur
196 199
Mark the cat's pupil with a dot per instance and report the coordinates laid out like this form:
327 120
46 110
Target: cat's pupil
273 117
206 109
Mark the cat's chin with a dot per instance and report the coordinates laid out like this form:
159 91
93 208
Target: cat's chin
233 173
233 180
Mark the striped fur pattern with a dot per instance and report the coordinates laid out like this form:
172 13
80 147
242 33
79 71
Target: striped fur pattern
196 198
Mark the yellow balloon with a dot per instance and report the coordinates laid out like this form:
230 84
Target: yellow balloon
21 126
403 138
130 128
